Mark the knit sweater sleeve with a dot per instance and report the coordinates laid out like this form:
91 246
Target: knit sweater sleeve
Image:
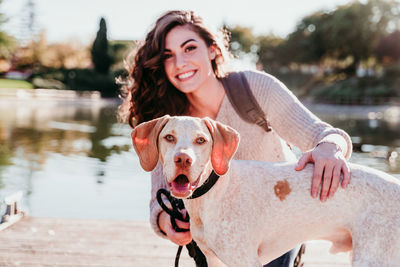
157 182
290 119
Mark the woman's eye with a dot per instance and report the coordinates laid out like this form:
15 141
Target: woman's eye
166 56
200 140
169 138
190 48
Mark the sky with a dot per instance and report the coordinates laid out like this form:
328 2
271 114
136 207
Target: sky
131 19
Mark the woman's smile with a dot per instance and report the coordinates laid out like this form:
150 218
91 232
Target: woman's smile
186 75
187 60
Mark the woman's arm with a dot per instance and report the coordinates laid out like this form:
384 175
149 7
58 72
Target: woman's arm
325 146
159 219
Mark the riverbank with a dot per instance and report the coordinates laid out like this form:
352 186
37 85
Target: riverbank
70 242
48 94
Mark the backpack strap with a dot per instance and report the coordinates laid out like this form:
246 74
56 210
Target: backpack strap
243 101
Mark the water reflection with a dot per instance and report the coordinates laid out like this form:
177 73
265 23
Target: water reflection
375 132
71 159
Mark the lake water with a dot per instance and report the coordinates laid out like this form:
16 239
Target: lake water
72 159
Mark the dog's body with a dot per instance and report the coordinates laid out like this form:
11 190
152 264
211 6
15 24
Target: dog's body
257 210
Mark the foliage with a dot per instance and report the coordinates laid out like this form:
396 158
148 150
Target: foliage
388 49
79 80
350 31
270 51
119 51
242 39
48 84
344 37
7 42
9 83
100 54
357 91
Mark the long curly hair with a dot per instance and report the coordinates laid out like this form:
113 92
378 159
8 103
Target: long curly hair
146 91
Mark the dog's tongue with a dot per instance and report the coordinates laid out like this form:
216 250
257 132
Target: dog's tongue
181 184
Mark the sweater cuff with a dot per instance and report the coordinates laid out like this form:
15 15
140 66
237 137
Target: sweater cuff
155 211
339 140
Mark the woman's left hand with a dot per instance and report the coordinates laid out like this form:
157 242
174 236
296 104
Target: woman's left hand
329 164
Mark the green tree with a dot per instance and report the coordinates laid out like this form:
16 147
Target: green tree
7 42
100 54
307 43
242 39
388 49
349 32
269 51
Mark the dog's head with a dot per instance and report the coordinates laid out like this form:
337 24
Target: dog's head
185 146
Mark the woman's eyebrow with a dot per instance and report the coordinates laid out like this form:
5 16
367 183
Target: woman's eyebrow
187 41
182 45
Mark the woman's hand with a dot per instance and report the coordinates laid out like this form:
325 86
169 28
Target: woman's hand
179 238
329 164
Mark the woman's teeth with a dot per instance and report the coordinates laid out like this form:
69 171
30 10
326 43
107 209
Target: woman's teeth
186 75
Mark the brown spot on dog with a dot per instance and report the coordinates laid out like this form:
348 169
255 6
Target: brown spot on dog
282 189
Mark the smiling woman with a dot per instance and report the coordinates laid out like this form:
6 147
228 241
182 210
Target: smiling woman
153 61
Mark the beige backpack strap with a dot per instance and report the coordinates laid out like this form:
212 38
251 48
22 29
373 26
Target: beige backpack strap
243 101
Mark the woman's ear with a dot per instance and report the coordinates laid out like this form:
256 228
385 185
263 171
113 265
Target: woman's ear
212 52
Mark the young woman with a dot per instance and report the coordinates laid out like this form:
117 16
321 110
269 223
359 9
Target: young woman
178 71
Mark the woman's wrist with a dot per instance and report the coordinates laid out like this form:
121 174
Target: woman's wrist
338 140
338 148
161 214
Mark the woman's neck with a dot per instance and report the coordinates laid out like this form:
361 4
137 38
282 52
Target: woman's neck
207 101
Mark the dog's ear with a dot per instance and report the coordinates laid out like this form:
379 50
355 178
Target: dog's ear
225 143
145 139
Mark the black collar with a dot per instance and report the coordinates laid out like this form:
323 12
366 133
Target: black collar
211 180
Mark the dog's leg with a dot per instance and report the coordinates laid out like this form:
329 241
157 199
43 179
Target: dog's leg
212 259
241 261
240 258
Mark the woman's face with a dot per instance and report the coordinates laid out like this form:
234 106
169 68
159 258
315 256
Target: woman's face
187 60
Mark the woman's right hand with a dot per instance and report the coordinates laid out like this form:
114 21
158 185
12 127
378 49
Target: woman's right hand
179 238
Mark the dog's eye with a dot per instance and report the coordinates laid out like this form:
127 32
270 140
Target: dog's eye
170 138
200 140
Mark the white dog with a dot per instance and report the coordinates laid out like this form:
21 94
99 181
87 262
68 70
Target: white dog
257 211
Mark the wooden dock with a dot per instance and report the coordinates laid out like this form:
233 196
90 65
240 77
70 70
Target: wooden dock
72 242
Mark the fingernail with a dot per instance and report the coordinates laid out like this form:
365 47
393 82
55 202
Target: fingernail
323 199
314 194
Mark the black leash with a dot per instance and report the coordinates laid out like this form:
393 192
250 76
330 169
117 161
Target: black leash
177 204
174 213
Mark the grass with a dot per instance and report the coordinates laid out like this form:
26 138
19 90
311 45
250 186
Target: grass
17 84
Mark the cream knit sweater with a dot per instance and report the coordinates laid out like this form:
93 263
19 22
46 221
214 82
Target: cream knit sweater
291 124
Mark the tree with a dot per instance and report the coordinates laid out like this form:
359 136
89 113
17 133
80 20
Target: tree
350 32
242 39
388 49
269 51
100 55
7 42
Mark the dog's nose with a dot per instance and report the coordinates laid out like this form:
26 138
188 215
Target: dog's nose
183 160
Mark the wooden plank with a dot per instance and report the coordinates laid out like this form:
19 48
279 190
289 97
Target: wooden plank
72 242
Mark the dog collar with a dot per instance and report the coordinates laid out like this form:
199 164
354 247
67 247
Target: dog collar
206 186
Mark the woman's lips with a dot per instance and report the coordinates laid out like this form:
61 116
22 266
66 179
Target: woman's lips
186 76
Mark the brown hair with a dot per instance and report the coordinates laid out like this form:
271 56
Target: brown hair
147 92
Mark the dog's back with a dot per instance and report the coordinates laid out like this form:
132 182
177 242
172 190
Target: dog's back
280 203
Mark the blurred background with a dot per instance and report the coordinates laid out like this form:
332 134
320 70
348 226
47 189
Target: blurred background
60 142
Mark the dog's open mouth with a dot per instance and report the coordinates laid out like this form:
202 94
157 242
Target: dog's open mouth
181 187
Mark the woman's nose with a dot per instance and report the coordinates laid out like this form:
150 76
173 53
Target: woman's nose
180 61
